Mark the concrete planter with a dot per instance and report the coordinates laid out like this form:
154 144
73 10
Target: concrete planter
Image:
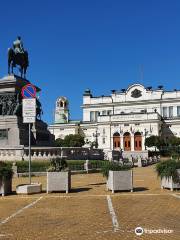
29 188
120 180
58 181
5 186
169 183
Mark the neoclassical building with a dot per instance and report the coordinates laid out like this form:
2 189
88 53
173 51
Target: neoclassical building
123 119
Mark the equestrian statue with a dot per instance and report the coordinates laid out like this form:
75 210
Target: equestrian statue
17 55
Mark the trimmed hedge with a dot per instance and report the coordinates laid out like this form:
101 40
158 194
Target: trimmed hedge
42 166
36 166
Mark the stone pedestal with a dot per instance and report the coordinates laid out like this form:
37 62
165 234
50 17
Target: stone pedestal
87 166
29 188
139 161
13 132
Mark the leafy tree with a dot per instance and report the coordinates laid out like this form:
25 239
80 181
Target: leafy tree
167 147
72 140
75 140
94 144
59 142
174 141
153 141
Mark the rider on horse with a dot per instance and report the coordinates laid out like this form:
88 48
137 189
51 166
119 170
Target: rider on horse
18 56
18 46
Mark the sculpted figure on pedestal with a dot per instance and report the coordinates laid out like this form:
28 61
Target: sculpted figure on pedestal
17 55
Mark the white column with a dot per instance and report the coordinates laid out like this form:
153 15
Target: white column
112 145
121 142
132 142
111 138
143 142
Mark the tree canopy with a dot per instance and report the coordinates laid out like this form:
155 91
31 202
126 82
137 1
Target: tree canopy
158 142
71 140
153 141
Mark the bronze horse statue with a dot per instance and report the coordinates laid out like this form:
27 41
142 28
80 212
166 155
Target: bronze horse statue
18 56
20 59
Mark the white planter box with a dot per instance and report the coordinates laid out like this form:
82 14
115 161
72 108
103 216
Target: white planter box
169 183
120 180
5 186
58 181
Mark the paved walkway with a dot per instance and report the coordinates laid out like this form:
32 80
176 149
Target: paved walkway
90 212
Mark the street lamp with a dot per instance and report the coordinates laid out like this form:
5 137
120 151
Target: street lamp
96 135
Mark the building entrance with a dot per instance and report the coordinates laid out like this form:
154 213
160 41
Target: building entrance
127 141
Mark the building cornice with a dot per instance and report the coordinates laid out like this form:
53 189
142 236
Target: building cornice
130 103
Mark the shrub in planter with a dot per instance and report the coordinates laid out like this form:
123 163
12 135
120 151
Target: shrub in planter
110 166
58 176
169 172
118 177
6 174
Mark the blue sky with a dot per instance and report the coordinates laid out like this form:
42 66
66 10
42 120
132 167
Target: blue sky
96 44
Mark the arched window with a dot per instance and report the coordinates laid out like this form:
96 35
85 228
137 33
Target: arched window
127 141
116 140
137 141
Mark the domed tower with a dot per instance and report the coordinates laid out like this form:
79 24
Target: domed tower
62 110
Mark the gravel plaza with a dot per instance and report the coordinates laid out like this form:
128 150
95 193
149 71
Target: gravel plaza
90 212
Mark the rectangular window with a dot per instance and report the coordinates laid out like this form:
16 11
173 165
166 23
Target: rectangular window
178 111
165 112
104 112
144 111
3 134
93 116
109 112
104 141
96 115
171 112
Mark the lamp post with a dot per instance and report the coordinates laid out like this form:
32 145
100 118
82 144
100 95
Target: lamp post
96 135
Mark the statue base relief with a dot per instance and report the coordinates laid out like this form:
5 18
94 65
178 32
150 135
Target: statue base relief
13 132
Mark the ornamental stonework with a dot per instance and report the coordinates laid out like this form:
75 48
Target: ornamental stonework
136 93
